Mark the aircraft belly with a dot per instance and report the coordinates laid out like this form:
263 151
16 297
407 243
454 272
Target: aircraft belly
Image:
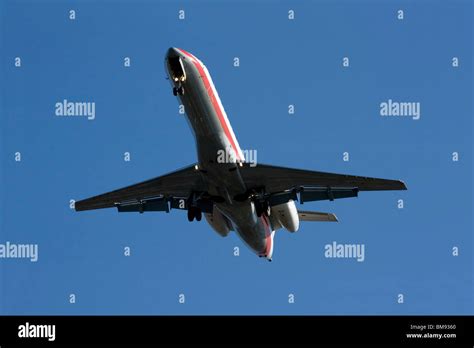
209 137
200 106
209 124
249 227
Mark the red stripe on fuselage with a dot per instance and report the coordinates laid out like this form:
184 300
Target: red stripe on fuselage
215 104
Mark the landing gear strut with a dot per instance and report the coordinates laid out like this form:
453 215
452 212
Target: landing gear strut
263 208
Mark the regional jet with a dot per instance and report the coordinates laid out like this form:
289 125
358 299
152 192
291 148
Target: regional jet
252 200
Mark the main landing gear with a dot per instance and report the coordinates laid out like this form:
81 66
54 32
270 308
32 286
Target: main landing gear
263 208
178 90
194 213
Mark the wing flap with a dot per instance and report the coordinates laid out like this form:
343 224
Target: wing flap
157 204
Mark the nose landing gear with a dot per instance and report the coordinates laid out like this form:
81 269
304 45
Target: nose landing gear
178 91
177 74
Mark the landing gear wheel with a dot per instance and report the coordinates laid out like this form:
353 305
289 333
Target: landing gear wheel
191 214
180 90
198 214
175 91
194 213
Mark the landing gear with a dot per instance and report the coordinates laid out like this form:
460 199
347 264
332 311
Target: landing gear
178 91
263 208
198 214
194 213
190 214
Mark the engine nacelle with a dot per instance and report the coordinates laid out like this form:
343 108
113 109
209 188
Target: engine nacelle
287 215
218 222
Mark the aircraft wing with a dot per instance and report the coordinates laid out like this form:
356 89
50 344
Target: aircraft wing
176 184
283 183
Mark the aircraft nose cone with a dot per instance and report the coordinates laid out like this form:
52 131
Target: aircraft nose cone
173 52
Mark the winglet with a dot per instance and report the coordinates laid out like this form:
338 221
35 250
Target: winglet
402 185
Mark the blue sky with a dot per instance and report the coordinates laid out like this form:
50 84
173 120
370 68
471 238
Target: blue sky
282 62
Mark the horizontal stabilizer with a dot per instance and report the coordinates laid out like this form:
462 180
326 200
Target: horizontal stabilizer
316 216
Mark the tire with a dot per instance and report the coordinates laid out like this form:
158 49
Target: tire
175 91
198 214
191 214
181 90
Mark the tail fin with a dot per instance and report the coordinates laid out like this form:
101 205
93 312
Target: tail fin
316 216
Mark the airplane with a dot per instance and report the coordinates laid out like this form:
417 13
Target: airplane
252 200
